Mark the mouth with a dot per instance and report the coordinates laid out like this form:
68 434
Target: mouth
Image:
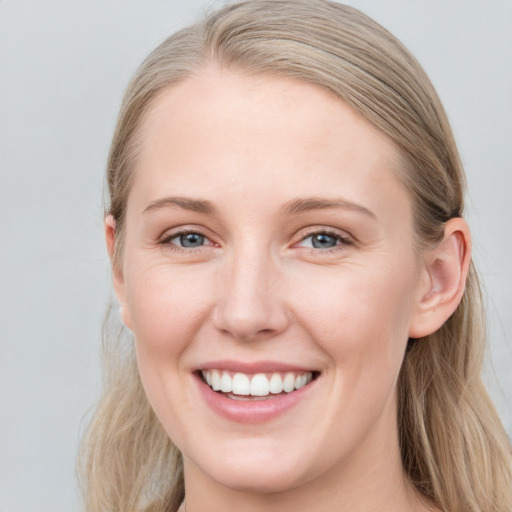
253 387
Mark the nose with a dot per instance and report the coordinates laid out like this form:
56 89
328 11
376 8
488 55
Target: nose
250 304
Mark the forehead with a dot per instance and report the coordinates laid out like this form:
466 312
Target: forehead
228 132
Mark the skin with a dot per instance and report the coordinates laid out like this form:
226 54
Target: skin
258 290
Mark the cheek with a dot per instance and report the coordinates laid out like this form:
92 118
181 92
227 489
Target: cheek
360 317
167 306
360 321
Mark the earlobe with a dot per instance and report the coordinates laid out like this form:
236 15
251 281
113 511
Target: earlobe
446 269
124 315
117 273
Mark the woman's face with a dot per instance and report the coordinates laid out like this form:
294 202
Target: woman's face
269 244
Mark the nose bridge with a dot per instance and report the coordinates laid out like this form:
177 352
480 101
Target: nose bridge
250 304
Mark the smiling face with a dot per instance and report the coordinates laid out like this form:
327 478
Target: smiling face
267 234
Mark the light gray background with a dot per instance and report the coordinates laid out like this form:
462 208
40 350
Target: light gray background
63 67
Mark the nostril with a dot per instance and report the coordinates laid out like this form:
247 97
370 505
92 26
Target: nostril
252 325
248 305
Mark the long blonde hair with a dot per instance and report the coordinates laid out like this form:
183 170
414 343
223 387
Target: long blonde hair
454 448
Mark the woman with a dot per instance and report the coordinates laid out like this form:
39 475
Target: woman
288 249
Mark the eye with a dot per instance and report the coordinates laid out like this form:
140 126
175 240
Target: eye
187 240
323 240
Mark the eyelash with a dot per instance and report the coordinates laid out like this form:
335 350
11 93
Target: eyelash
166 241
342 241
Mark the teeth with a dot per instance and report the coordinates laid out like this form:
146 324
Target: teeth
241 384
216 380
289 382
276 383
257 385
226 383
260 385
300 381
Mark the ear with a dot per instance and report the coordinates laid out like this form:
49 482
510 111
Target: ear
445 270
117 271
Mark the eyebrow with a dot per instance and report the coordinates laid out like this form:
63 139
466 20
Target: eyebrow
186 203
300 205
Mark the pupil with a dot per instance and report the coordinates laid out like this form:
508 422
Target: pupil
192 240
323 240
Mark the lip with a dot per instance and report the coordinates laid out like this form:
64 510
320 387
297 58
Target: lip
253 368
257 411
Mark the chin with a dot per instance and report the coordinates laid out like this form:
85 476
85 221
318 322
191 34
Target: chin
259 472
261 480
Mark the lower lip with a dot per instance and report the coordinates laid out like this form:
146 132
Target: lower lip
251 411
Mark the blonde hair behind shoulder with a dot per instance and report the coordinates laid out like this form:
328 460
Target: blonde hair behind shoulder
454 448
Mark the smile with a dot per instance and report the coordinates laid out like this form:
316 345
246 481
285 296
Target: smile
257 392
242 386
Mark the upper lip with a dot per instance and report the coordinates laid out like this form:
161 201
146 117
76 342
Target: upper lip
253 367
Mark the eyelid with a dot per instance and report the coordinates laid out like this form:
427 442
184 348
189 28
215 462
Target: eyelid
319 230
185 233
343 238
344 241
170 234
